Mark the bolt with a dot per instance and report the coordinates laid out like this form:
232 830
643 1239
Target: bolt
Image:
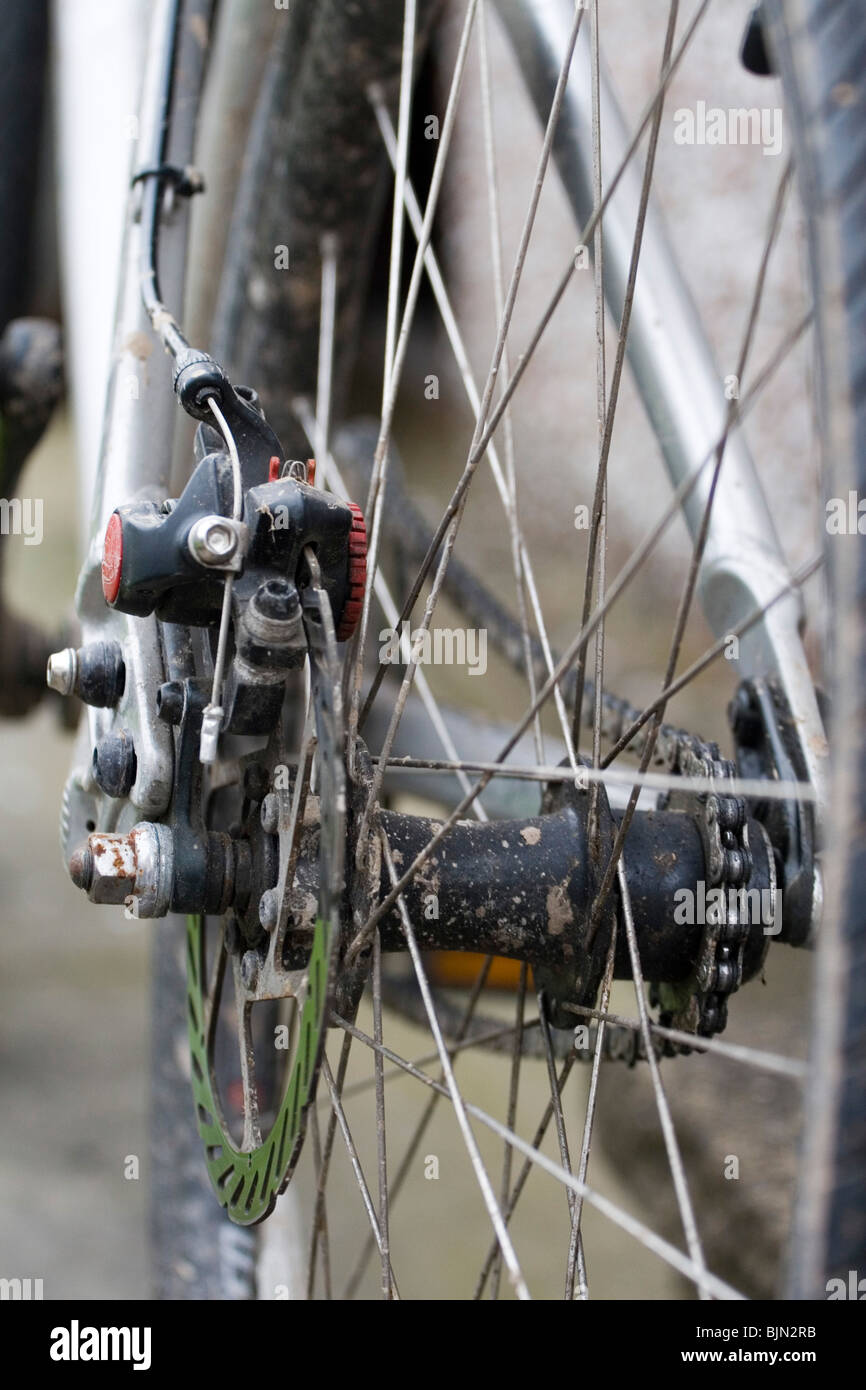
278 599
169 702
62 671
270 814
114 763
250 970
81 868
212 540
269 908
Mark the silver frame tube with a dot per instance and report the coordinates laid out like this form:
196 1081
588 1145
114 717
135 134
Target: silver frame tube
679 383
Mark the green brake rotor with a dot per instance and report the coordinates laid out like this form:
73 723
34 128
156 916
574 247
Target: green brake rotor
247 1183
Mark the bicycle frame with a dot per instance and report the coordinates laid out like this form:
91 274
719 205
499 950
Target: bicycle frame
680 386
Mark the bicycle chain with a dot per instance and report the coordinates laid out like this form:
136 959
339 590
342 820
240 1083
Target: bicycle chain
722 819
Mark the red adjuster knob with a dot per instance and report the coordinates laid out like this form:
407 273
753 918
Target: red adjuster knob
112 558
357 575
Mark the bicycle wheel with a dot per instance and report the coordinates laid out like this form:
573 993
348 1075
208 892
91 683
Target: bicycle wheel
575 890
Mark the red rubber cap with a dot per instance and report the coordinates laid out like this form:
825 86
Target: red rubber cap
357 575
112 558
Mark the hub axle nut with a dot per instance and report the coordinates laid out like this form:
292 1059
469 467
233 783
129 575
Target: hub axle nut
140 865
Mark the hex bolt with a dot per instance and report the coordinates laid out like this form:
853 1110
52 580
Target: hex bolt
270 814
269 909
114 763
212 540
277 598
250 970
274 618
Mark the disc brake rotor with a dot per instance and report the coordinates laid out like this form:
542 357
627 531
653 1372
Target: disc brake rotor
247 1179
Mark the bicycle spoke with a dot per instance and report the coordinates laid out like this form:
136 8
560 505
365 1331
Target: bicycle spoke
454 1048
613 777
799 578
474 454
525 1171
511 1114
323 1224
397 222
598 505
495 229
503 487
642 1233
482 442
381 1147
601 408
561 1137
453 1092
589 229
736 1052
327 329
421 1126
332 478
591 1101
375 497
684 607
357 1169
322 1178
675 1162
